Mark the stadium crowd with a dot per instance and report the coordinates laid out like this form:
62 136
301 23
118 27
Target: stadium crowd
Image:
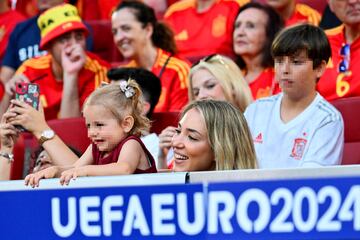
251 83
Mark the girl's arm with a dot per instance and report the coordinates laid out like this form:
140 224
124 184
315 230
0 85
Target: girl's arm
56 171
128 160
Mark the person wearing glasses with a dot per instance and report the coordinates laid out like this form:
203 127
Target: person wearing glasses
254 30
214 77
342 76
298 127
149 44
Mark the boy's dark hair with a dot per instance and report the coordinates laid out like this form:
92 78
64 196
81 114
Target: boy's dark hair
306 37
274 25
149 83
163 36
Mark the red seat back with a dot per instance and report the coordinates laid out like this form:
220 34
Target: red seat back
161 120
104 45
349 107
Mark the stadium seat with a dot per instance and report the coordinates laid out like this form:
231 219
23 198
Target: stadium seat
349 107
72 131
161 120
104 45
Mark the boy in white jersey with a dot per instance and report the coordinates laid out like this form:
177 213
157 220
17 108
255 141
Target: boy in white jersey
298 127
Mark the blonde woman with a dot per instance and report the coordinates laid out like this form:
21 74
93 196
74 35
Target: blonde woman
212 135
214 77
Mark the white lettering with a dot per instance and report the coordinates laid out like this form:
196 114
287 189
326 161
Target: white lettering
199 213
60 230
135 218
262 200
87 216
110 215
159 214
214 214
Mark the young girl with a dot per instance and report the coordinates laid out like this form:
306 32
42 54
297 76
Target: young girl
114 119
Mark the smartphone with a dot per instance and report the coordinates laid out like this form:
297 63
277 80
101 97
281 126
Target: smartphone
28 93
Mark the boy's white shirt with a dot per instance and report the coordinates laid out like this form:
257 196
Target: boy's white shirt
314 138
151 142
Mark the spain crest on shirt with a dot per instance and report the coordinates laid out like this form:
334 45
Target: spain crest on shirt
298 148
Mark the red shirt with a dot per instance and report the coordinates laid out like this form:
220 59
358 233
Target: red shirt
304 14
99 158
334 85
264 85
96 9
174 95
39 71
205 33
8 21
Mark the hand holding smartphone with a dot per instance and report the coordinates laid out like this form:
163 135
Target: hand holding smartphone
28 93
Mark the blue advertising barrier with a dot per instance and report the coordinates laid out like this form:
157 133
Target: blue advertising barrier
326 208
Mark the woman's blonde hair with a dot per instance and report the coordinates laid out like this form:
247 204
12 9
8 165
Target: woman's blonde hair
228 134
113 98
230 77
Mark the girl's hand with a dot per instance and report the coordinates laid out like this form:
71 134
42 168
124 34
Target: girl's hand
34 178
28 117
8 133
72 173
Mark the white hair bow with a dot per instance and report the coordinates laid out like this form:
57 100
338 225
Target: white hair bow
128 90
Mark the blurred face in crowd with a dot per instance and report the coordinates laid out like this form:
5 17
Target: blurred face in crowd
46 4
130 36
192 151
43 161
206 86
250 32
67 40
279 4
348 11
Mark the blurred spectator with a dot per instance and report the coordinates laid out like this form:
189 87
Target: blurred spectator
293 12
203 27
8 19
298 127
41 158
255 28
24 42
342 76
149 44
218 77
212 135
329 19
214 77
67 74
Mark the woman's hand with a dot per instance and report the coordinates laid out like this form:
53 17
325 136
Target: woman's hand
165 138
72 173
28 117
8 133
34 179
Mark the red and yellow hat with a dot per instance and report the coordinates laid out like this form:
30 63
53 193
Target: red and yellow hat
58 20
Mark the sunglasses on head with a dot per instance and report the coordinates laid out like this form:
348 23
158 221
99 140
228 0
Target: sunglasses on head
345 55
211 58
